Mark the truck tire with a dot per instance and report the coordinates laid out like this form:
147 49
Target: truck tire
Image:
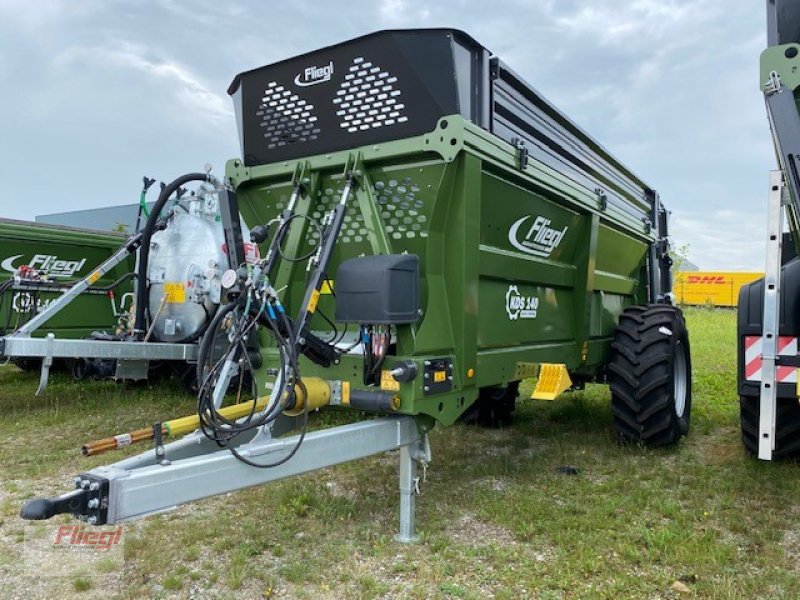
650 373
787 426
27 364
494 406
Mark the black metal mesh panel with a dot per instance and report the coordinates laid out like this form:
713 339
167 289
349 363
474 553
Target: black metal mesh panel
384 86
285 117
369 97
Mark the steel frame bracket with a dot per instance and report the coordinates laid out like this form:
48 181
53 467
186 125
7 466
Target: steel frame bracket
142 485
49 348
47 362
778 198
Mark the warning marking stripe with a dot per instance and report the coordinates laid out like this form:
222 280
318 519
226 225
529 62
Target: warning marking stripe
753 348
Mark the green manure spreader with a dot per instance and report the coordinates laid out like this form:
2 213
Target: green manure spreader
432 231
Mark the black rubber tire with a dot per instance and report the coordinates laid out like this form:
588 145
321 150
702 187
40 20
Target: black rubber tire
494 407
787 426
79 368
645 357
27 364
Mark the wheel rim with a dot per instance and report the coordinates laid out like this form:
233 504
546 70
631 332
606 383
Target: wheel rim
679 377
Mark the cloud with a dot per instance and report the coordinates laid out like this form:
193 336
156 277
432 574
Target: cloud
398 12
727 239
639 22
185 86
37 18
668 86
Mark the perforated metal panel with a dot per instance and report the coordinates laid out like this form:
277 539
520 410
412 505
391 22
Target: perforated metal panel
286 117
402 210
368 98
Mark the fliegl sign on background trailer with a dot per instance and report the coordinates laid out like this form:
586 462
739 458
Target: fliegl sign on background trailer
711 288
49 258
47 267
51 264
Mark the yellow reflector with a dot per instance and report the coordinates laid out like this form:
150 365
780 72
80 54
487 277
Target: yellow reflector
312 302
346 393
553 381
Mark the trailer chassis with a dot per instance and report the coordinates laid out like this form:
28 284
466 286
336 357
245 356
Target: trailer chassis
194 467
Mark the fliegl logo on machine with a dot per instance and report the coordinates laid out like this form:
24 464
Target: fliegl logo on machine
48 263
535 237
519 306
313 75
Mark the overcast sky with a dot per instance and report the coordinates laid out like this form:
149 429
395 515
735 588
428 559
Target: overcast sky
97 93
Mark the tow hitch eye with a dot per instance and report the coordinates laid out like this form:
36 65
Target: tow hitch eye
89 502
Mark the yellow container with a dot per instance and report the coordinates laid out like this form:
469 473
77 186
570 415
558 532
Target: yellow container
711 288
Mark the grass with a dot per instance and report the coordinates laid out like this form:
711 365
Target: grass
496 518
82 584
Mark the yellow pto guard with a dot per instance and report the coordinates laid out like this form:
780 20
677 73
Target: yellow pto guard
553 381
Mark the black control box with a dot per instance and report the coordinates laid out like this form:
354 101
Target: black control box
378 290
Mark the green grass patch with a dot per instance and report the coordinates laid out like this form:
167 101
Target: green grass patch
173 582
494 515
81 584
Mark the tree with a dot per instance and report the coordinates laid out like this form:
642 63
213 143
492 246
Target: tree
679 256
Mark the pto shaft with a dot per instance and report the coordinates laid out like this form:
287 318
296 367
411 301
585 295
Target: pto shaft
314 393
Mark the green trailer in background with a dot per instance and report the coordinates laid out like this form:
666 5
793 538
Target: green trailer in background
71 294
39 262
432 231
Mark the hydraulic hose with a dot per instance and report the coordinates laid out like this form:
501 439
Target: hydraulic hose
207 341
140 324
146 183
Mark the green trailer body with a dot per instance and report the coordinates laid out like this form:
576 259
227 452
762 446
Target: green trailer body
532 238
64 254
